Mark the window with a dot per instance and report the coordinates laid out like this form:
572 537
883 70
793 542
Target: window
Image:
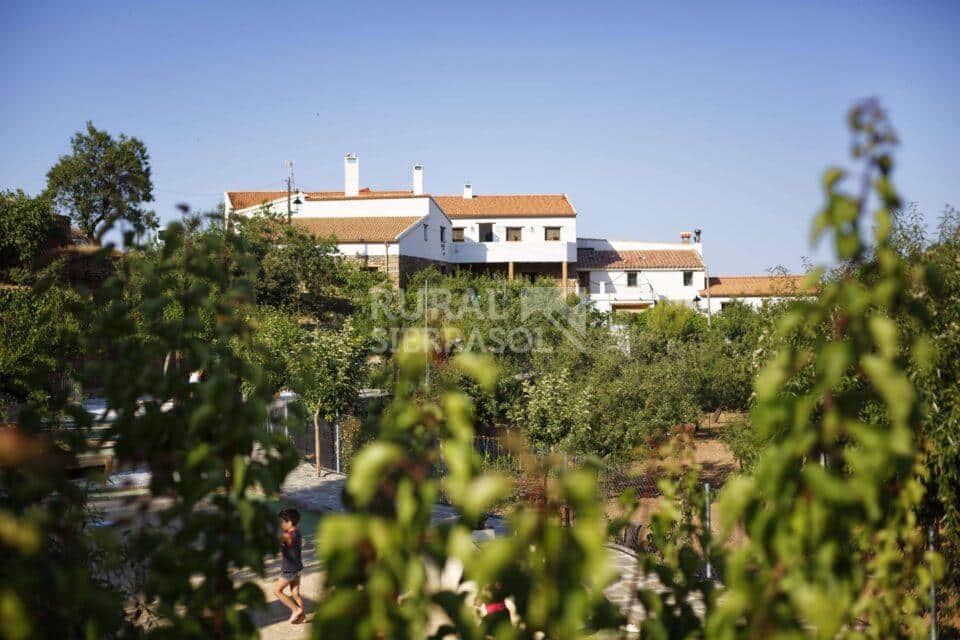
425 232
631 278
551 234
458 234
486 231
514 234
443 234
584 277
688 278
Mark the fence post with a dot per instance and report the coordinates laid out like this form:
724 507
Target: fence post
706 551
336 442
933 586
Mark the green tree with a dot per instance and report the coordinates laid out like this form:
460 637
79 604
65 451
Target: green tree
939 385
670 321
204 442
298 273
551 409
26 226
276 342
830 545
40 340
329 372
56 568
103 181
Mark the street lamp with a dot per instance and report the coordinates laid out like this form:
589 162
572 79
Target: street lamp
294 208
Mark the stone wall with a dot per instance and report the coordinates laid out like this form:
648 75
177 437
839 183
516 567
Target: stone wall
409 265
398 268
384 264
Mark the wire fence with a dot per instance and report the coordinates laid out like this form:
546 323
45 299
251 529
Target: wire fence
615 473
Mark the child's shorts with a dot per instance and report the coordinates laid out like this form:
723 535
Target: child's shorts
289 576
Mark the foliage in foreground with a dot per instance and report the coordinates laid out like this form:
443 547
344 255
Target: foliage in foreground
830 511
391 573
202 440
832 549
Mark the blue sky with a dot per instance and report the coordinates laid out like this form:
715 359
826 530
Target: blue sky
653 118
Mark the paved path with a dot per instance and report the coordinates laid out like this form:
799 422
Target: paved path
324 493
304 488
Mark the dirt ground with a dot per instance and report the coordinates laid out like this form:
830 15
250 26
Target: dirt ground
272 621
711 453
716 462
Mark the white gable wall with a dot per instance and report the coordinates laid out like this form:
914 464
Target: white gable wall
420 242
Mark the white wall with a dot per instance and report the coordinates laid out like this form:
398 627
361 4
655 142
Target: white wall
717 302
378 207
346 207
368 249
605 244
413 243
531 248
610 286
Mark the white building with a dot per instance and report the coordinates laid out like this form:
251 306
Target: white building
518 235
401 231
527 235
753 291
620 275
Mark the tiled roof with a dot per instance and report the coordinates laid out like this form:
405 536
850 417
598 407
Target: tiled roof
244 199
757 286
519 206
638 259
357 229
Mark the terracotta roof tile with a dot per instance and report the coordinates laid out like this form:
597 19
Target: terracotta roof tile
757 286
357 229
244 199
516 206
638 259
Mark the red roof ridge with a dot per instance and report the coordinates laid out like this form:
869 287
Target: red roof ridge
643 259
500 195
771 275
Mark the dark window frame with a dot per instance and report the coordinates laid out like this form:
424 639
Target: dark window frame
457 231
486 238
519 234
546 234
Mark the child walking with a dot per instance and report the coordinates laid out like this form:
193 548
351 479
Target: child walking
291 565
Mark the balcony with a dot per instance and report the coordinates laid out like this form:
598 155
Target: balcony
471 251
605 294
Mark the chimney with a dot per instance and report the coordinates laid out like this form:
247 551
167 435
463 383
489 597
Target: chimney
418 179
351 175
685 237
467 191
696 236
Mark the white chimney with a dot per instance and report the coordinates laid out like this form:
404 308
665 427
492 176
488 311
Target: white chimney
418 179
467 191
351 175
